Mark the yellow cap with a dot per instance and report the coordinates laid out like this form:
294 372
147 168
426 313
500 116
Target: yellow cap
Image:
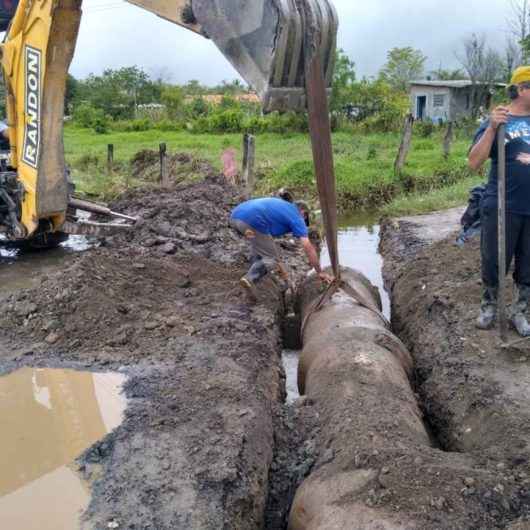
521 75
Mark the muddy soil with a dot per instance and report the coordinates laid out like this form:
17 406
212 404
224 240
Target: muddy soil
474 394
163 305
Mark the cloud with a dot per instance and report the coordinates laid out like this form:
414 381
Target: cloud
115 34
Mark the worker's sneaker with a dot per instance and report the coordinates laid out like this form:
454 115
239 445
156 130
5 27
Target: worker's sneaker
519 307
488 309
250 288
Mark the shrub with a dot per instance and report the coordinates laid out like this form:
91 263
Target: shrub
425 129
101 125
142 124
86 115
169 125
226 121
197 108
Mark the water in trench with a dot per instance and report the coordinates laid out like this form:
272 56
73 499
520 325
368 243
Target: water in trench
47 419
24 269
358 240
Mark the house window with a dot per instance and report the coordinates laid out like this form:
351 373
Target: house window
438 100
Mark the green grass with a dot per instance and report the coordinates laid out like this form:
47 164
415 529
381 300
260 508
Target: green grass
364 165
440 199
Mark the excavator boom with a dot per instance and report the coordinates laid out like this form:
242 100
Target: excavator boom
269 42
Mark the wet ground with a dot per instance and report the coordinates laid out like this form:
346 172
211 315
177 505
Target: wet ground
162 306
48 417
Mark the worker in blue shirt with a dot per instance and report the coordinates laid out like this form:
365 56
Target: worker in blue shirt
259 221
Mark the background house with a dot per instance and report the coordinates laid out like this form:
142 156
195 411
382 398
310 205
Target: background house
442 101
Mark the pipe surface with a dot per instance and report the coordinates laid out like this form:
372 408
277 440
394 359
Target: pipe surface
356 372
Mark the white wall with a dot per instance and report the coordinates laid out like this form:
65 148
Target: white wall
431 112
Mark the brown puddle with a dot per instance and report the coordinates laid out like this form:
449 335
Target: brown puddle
47 419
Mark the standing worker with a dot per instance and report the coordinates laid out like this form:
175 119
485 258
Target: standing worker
516 117
259 220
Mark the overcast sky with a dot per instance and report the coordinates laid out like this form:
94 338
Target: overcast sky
115 34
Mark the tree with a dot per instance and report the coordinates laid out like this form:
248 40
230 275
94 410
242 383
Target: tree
519 26
194 88
71 93
173 99
133 81
484 67
442 74
403 66
119 92
512 58
232 88
343 81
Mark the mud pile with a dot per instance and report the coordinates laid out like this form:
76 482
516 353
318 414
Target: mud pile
180 167
163 305
474 393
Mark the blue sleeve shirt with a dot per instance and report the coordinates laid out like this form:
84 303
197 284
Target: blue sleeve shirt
517 166
271 216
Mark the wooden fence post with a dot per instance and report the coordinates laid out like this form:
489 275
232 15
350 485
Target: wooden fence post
448 139
110 158
404 148
249 157
164 180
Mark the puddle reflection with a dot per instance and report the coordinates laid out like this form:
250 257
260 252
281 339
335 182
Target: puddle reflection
47 419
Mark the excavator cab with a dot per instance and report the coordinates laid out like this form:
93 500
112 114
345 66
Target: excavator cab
269 42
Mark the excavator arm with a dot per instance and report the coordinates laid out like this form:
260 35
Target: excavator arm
268 42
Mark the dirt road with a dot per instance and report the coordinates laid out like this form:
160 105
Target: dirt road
163 306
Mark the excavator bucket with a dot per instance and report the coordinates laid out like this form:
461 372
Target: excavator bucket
267 41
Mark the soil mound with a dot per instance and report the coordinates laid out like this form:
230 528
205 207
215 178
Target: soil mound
163 304
474 393
181 167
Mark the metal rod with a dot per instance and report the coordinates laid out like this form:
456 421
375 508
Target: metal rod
501 211
92 207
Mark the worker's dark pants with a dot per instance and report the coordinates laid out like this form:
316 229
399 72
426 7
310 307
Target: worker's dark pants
517 244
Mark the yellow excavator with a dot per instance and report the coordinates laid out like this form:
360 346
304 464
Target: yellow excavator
267 41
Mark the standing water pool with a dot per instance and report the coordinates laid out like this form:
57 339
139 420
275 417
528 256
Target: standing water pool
48 417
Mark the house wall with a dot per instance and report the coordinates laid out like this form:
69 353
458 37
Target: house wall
460 103
431 112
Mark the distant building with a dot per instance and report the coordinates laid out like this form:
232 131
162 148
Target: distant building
442 101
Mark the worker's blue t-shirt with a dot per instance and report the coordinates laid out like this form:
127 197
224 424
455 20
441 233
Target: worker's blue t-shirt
517 166
271 216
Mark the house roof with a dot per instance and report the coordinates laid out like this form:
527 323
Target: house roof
460 83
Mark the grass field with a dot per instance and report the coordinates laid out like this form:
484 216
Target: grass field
364 165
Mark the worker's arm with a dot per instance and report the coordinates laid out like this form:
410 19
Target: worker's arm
481 151
312 256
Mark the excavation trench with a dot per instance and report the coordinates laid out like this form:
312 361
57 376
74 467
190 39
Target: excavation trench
373 461
206 435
